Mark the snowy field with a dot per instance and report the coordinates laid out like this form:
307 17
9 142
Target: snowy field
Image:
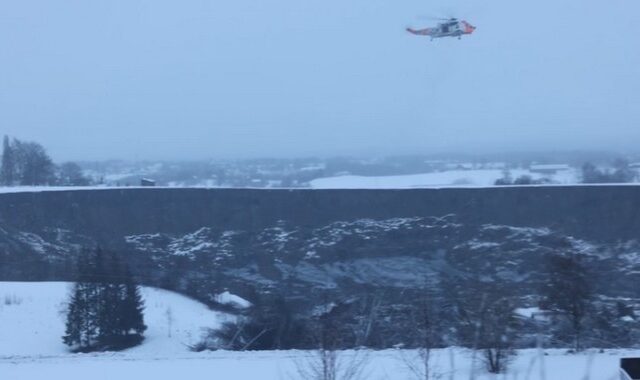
449 178
32 322
381 365
32 317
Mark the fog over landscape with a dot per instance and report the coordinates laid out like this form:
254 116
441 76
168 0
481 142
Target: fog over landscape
141 80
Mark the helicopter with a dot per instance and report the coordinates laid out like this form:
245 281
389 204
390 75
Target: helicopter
447 28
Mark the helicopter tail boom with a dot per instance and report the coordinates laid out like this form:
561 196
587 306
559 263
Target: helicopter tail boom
421 32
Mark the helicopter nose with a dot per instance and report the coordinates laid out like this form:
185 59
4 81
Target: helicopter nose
468 28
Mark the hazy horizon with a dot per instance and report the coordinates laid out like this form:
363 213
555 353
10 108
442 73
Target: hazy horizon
159 80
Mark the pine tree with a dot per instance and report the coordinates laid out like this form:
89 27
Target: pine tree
73 330
132 310
81 327
101 278
105 308
113 298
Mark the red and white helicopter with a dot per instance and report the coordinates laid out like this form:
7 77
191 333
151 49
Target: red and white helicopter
448 28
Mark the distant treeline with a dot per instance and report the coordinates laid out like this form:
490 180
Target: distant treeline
26 163
621 172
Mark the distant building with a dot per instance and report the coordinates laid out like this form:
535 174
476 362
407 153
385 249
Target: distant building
145 182
549 169
460 166
256 182
494 165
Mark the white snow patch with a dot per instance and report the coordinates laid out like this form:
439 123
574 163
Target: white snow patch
35 241
527 312
187 245
227 298
191 243
336 231
477 244
519 231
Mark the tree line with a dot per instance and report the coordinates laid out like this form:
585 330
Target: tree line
620 173
105 310
26 163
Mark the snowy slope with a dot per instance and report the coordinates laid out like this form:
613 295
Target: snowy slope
32 320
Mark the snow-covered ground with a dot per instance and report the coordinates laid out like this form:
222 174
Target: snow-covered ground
32 316
284 365
449 178
32 322
37 189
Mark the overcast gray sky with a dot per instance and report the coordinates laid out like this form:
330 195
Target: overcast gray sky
154 79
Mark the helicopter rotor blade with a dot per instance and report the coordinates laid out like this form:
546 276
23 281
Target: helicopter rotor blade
432 18
439 20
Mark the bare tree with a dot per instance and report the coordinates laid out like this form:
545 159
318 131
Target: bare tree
497 333
568 293
333 364
34 166
169 314
486 322
424 320
367 316
328 361
70 174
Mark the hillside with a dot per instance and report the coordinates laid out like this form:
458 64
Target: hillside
300 248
